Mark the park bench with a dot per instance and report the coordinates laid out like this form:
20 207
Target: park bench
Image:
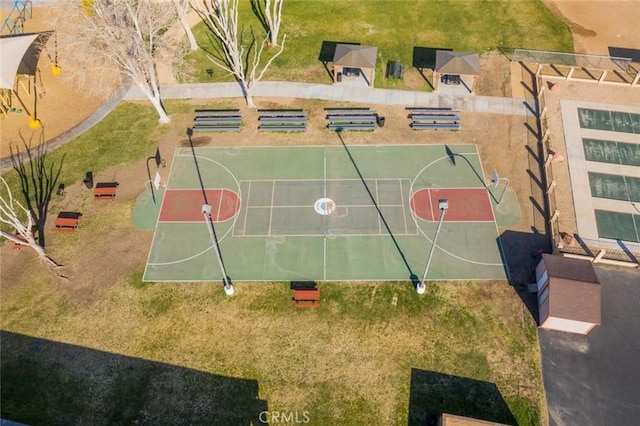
431 110
105 190
306 297
349 111
217 120
333 119
217 128
271 119
217 113
434 126
434 118
282 128
286 120
67 221
352 126
282 113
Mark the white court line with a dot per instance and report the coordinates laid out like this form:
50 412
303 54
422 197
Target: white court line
220 204
379 206
306 206
404 209
273 195
246 213
324 222
433 215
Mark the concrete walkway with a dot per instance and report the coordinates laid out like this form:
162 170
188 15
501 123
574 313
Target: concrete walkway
275 89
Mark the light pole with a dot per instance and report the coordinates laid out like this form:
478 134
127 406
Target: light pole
206 211
443 206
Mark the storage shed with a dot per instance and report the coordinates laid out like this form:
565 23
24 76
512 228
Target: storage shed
568 294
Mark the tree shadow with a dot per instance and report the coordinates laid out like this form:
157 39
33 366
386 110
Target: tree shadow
48 382
433 394
328 52
258 11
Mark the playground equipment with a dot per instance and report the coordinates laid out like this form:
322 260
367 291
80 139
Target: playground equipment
20 78
14 22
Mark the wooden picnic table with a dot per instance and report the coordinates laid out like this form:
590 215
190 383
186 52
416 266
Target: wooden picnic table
306 297
67 221
105 190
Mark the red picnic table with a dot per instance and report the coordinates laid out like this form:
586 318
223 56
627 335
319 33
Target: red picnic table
105 190
306 297
67 221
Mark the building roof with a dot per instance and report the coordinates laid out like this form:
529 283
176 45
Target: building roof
570 268
355 56
460 63
574 289
20 54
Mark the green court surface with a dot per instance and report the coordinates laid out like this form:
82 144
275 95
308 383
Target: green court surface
615 187
603 151
609 120
618 226
327 213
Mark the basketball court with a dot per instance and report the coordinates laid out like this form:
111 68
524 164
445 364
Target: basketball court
326 213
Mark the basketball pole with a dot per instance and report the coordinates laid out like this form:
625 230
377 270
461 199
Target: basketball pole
206 211
443 205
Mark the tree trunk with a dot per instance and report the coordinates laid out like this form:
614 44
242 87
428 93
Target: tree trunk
187 29
154 97
41 234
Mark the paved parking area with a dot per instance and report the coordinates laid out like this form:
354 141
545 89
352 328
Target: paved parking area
595 379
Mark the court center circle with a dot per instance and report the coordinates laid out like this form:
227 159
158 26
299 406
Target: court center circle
324 206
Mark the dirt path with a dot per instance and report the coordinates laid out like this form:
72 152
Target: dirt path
597 25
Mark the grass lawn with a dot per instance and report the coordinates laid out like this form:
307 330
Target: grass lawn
113 350
395 27
167 354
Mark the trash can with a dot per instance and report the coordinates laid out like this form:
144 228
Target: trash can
380 121
339 77
88 180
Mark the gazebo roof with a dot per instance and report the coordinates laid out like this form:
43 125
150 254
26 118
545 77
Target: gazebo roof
20 55
355 56
460 63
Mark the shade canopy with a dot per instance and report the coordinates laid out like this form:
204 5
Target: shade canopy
355 56
19 55
457 63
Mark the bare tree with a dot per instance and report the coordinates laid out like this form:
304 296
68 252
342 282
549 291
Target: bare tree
270 16
118 38
182 8
244 63
38 179
12 213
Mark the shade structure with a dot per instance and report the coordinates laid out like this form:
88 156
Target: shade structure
456 63
355 56
19 55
